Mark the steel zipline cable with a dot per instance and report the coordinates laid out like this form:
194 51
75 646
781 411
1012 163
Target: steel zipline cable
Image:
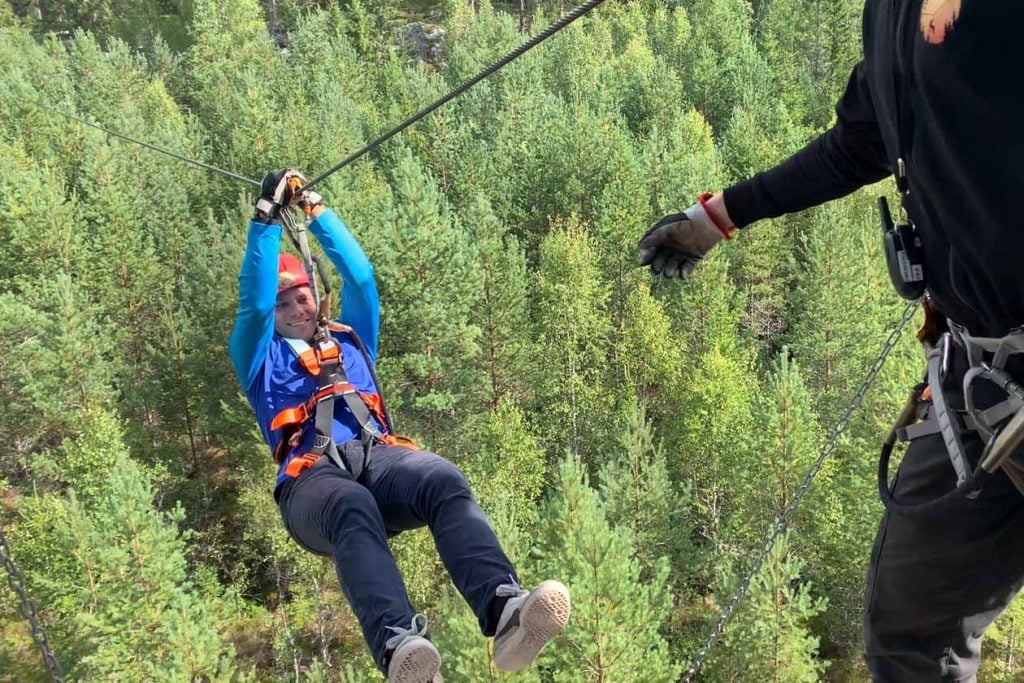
782 521
494 66
180 157
490 69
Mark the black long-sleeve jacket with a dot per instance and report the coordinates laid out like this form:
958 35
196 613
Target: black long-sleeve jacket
942 86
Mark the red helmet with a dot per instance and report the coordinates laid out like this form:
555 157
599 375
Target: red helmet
290 273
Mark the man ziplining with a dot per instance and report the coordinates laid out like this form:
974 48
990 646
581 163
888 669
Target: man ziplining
930 102
293 365
346 481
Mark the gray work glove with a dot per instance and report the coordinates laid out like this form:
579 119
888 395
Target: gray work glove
678 242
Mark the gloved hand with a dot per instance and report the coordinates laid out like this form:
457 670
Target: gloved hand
678 242
308 201
277 192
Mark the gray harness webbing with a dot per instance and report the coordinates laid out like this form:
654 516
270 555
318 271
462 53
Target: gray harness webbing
1000 426
323 442
332 374
368 432
948 427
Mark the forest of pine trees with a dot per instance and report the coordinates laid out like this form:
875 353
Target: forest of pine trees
633 438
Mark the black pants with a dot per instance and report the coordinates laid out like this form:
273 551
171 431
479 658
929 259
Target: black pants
935 584
328 513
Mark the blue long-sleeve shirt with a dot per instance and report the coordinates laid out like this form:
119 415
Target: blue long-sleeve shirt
267 367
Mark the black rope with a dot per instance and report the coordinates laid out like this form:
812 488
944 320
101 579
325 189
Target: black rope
931 507
180 157
551 30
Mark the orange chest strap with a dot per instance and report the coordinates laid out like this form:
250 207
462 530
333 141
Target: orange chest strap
297 415
314 358
322 361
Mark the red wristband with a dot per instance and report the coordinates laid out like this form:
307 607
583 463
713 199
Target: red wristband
726 230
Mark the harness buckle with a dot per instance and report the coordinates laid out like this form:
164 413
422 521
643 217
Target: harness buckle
300 463
328 350
290 416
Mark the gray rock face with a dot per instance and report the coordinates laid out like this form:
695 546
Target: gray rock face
425 41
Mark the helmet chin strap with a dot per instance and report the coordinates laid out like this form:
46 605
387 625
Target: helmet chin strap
297 234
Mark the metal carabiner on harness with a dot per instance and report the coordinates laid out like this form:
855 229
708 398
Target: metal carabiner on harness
1005 442
1001 426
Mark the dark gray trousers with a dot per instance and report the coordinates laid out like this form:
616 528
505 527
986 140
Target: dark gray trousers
328 513
935 584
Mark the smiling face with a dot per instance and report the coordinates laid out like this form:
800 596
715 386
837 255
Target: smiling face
295 313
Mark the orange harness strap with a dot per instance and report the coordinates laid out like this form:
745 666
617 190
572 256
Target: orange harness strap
301 462
327 354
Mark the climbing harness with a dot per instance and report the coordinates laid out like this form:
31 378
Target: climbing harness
16 581
928 411
323 360
782 521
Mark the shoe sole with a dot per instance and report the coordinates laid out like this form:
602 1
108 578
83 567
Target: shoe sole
542 617
416 661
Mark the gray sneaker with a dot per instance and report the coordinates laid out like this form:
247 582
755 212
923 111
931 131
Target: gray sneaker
413 658
529 620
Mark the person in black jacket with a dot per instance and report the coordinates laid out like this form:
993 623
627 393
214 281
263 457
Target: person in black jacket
938 95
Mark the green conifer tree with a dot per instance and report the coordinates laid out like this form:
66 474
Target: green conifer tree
1002 662
811 51
769 638
722 66
132 613
505 340
429 282
639 495
40 404
651 358
786 441
505 462
614 631
572 332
